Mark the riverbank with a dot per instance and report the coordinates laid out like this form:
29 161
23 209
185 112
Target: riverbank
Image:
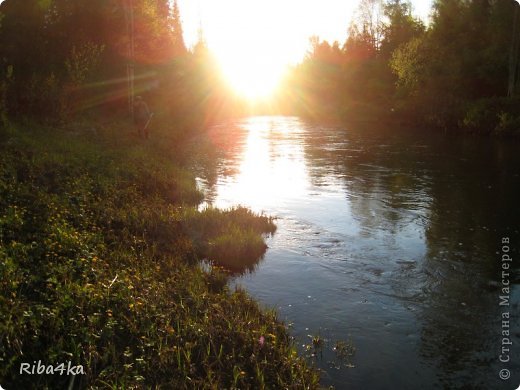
100 241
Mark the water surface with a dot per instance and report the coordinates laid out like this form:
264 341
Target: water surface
387 239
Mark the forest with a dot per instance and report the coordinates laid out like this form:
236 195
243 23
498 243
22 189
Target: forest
82 54
458 72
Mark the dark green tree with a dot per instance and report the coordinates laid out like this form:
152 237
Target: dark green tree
455 75
177 31
400 27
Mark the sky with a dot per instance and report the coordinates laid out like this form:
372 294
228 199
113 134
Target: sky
273 23
255 40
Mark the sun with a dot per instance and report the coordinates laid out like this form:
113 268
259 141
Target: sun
254 77
255 41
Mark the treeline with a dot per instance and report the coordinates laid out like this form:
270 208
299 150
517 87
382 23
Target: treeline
459 72
60 60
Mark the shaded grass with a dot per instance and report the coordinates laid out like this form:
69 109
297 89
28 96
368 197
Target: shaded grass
100 240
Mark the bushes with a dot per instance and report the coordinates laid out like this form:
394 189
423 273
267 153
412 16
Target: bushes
508 124
498 116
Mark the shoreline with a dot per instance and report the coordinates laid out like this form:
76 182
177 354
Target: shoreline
100 247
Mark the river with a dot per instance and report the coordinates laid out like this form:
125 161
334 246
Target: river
389 247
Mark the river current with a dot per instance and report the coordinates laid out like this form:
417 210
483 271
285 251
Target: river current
389 247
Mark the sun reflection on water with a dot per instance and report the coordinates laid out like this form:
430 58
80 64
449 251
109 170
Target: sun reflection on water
271 169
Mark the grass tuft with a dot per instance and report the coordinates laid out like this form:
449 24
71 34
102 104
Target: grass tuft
231 238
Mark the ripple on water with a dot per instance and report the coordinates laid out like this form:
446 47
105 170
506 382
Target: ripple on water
370 231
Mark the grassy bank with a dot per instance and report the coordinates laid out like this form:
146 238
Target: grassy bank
100 242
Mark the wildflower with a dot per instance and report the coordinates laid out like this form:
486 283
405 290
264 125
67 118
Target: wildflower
261 341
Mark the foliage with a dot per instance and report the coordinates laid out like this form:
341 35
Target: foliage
460 62
89 49
42 96
97 268
400 28
392 67
176 27
83 61
499 116
355 81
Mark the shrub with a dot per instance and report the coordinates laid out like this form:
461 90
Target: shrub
492 115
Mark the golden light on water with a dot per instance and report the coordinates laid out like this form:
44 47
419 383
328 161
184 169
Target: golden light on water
270 170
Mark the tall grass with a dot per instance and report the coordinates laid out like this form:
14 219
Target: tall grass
230 238
99 244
